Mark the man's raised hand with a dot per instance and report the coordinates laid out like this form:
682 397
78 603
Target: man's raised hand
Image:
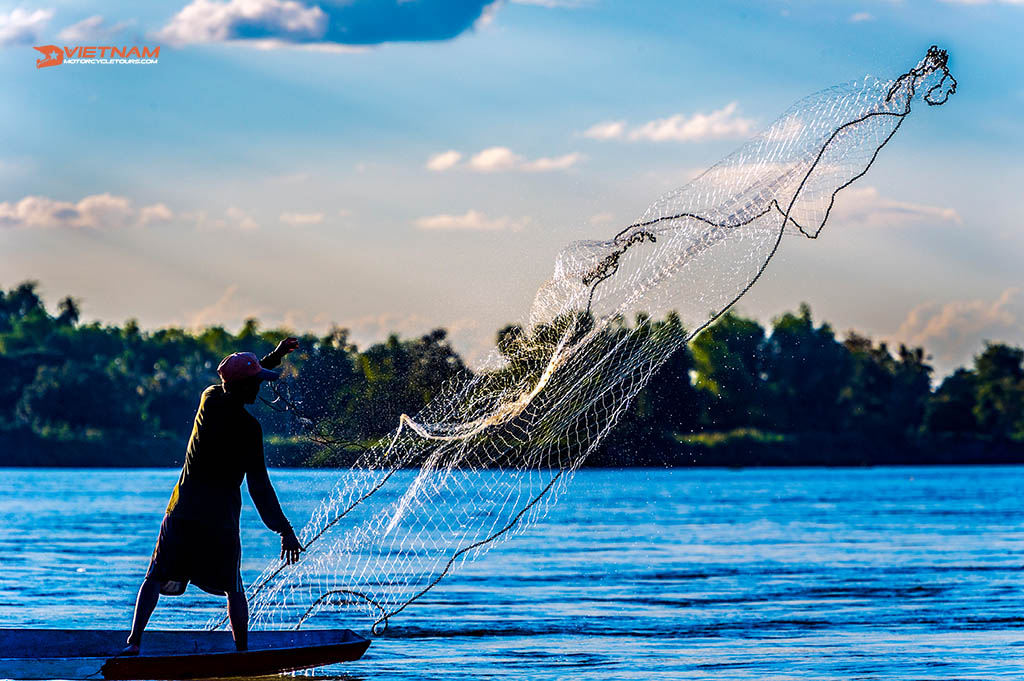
289 344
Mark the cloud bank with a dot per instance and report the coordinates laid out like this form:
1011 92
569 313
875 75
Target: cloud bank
337 22
723 123
953 331
23 27
471 220
92 29
298 219
92 212
497 159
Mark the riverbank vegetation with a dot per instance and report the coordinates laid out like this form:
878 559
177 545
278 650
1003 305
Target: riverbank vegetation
742 394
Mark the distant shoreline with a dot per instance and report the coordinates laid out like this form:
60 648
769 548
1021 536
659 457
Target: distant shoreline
969 464
740 395
740 449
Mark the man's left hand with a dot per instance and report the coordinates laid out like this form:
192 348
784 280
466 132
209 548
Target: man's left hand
290 548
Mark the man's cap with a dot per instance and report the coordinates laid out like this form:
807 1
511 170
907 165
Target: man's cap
244 365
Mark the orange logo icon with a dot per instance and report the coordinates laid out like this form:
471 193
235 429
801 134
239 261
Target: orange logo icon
52 56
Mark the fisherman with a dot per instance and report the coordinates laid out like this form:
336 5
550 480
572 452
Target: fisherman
198 539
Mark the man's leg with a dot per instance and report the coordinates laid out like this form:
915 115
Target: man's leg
238 613
149 594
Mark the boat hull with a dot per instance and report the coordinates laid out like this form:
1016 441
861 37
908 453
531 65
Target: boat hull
78 654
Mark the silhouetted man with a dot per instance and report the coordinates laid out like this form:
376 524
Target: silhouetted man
199 540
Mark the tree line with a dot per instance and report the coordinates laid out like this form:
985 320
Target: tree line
739 394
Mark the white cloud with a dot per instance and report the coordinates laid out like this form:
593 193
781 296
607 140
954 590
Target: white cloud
553 4
487 16
866 207
444 160
296 219
22 27
542 165
105 210
495 158
954 331
608 130
858 17
277 43
233 218
205 21
241 219
157 212
470 220
96 212
91 29
720 124
333 26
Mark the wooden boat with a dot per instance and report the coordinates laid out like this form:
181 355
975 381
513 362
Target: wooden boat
93 654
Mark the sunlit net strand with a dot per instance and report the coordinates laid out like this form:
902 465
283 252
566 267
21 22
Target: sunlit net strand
487 457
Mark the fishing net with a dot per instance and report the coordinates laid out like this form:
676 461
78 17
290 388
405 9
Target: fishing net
490 454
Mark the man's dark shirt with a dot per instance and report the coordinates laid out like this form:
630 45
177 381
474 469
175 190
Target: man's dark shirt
226 445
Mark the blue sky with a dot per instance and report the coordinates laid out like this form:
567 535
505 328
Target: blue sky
395 166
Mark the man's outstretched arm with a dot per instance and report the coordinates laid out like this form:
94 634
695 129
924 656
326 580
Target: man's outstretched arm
269 508
265 498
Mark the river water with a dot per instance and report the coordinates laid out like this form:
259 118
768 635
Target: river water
894 573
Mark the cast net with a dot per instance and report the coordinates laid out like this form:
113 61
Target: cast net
491 453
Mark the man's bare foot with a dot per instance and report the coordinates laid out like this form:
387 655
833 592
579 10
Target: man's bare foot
130 650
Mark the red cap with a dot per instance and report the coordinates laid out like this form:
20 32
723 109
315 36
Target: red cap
244 365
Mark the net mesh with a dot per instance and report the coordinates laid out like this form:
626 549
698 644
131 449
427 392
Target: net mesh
490 454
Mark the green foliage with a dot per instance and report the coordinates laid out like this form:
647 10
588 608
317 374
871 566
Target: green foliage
729 359
951 408
69 381
1000 384
719 437
669 403
74 399
885 395
399 377
805 370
